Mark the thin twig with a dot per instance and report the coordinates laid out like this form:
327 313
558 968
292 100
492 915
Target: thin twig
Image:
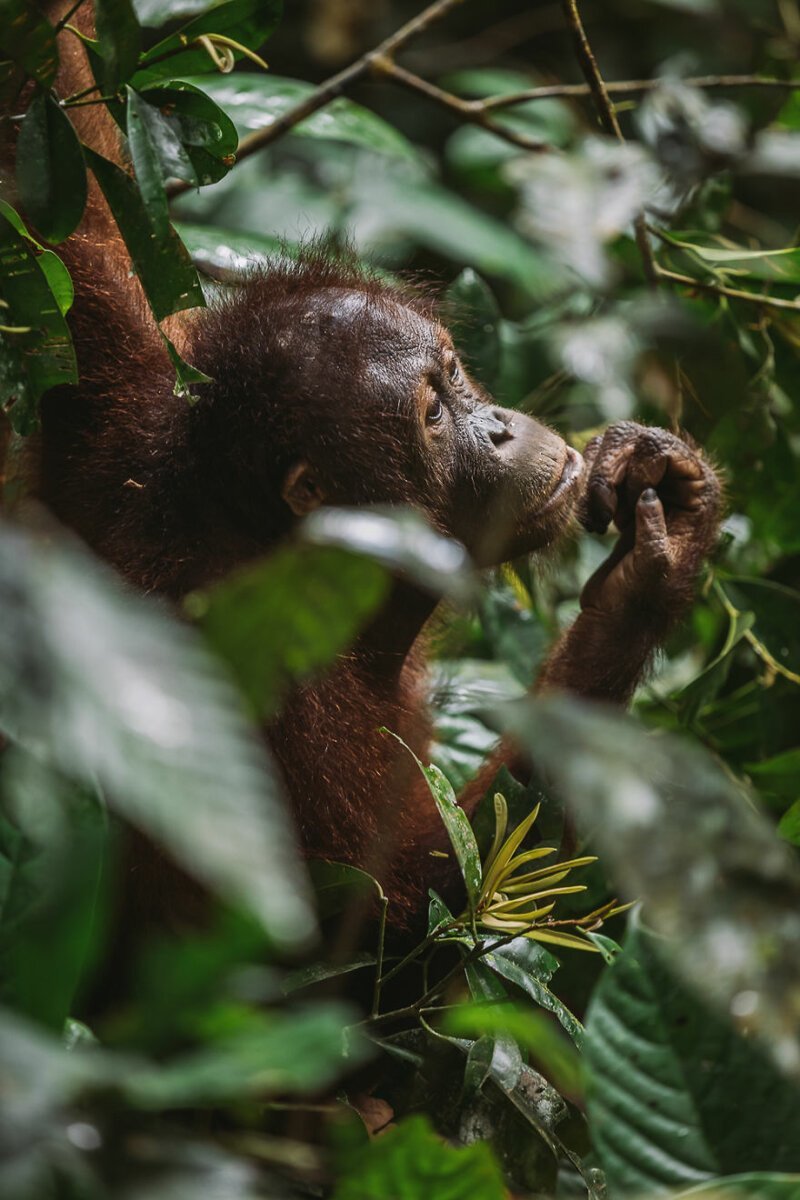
472 111
608 120
631 87
719 289
333 87
68 15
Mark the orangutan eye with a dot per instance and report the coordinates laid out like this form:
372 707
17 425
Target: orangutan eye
435 412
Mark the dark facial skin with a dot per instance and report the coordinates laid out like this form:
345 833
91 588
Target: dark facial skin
497 480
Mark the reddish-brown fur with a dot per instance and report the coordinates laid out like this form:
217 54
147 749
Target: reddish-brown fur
175 497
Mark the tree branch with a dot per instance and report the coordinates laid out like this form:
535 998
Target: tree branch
333 87
608 119
473 111
631 87
719 289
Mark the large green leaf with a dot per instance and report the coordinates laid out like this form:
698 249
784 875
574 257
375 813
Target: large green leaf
111 691
318 597
207 135
161 261
51 173
675 831
37 352
118 42
157 154
256 101
675 1095
249 22
410 1162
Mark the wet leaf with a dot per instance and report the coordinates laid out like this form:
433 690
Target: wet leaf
51 173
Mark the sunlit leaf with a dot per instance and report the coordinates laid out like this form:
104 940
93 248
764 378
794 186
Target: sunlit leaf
255 101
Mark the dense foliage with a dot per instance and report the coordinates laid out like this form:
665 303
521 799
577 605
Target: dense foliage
604 252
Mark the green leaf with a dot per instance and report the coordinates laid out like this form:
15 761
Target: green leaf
506 1063
157 155
767 1186
675 1096
706 686
674 830
779 774
455 821
29 40
410 1162
338 886
318 972
40 356
51 173
207 135
113 692
319 597
475 325
556 1056
776 266
185 373
52 841
118 41
789 824
255 101
292 1052
169 280
530 970
249 22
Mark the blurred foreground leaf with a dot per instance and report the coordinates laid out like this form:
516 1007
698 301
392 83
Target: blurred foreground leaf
675 1094
103 687
675 831
411 1162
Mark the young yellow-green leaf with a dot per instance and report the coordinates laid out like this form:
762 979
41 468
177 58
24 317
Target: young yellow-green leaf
51 173
169 280
249 22
118 42
40 354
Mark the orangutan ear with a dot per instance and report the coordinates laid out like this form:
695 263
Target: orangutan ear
302 490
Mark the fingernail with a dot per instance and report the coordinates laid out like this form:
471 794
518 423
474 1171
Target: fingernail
649 495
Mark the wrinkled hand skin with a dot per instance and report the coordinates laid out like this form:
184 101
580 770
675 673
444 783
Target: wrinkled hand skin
665 500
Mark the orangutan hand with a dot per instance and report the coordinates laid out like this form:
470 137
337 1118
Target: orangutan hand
664 498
